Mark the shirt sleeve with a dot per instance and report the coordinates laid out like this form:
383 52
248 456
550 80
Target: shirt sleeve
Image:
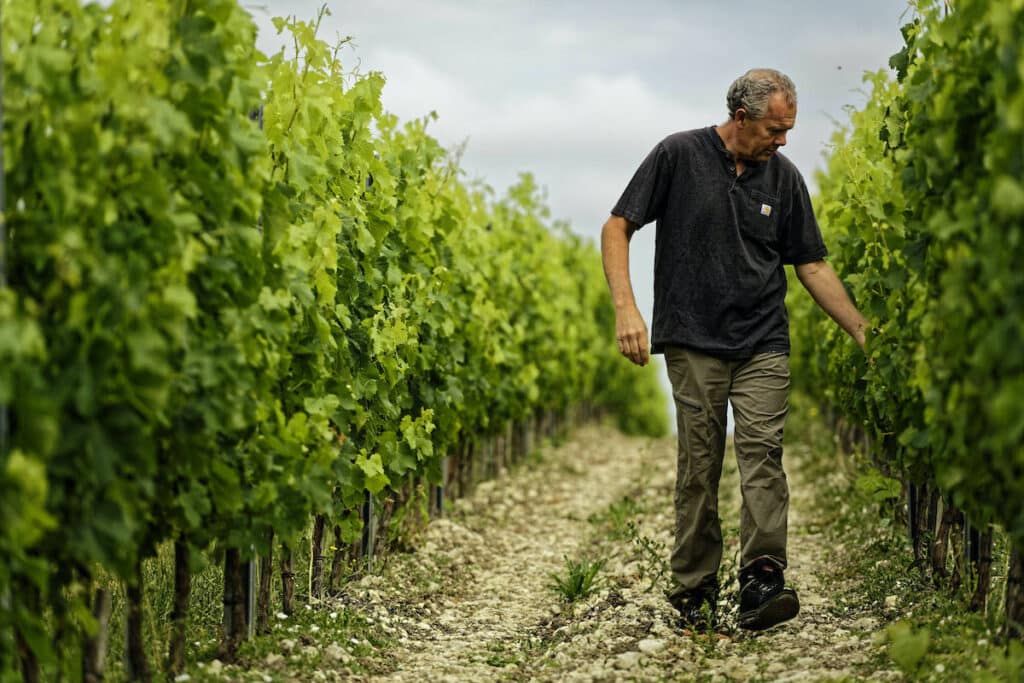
645 196
801 238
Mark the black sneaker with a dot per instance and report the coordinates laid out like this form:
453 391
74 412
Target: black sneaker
697 608
764 599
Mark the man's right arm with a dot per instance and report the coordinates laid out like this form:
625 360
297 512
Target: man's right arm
630 329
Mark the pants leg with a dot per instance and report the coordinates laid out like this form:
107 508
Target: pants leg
760 400
700 387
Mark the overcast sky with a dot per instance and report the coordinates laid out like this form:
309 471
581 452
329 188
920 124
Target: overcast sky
578 92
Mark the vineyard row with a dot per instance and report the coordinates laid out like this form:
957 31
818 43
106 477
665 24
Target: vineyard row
923 202
240 295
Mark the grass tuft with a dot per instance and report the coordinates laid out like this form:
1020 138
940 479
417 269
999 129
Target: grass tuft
580 578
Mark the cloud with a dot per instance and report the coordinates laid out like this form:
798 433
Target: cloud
582 139
591 117
415 88
562 36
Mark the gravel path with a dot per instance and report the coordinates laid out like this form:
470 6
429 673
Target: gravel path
474 602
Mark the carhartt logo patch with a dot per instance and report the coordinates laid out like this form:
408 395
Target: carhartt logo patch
766 210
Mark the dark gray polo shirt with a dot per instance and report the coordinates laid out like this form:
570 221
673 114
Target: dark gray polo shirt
721 243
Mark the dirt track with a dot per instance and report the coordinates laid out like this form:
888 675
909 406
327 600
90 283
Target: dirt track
474 602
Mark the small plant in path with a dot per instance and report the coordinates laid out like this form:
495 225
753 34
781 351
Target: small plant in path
579 580
652 556
614 519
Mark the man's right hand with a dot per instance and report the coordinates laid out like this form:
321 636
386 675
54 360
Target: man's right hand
630 329
631 333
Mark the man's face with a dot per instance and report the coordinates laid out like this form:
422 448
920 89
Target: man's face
760 138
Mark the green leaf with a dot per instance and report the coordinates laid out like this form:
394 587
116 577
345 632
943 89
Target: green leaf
1008 197
878 487
373 470
907 646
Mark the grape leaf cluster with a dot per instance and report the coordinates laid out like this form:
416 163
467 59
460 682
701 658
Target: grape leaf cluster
923 206
241 294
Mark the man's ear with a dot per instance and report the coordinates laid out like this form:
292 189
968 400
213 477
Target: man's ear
740 117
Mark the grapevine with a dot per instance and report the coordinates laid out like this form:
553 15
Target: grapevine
214 330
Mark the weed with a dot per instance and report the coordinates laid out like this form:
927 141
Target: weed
755 646
500 655
534 458
651 555
729 571
580 579
614 519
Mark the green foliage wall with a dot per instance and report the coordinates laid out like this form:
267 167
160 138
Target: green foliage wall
214 328
923 205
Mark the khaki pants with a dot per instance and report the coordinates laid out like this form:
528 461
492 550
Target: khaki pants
759 391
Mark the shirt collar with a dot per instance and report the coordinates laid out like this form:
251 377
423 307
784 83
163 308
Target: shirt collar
719 144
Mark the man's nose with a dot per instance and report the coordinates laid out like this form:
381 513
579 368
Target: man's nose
780 139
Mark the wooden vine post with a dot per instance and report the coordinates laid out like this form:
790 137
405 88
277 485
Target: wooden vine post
94 652
287 580
440 490
179 610
369 536
234 625
342 551
931 519
263 595
1015 596
956 538
940 548
316 560
135 653
982 570
912 525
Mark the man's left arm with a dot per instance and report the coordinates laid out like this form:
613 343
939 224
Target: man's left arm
827 290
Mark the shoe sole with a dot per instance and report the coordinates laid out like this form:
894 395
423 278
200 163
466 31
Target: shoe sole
780 608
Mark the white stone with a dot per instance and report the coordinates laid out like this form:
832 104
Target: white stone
630 611
334 652
627 660
864 624
810 600
651 645
890 602
273 659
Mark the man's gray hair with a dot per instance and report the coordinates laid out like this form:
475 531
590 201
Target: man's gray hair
752 90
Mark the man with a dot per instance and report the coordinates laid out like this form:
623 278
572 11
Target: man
730 211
